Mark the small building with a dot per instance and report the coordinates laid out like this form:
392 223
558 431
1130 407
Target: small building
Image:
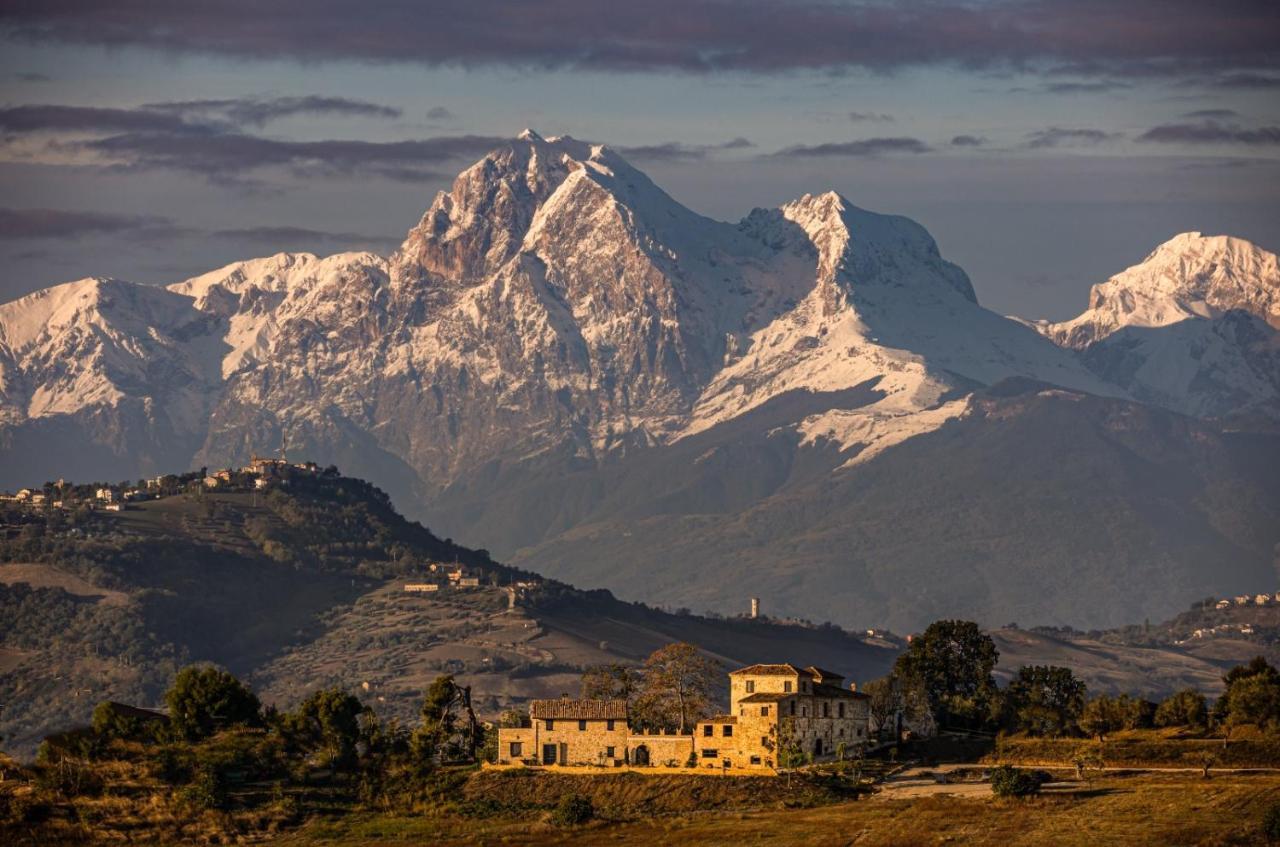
1222 604
114 507
469 582
568 732
1262 599
212 482
421 587
261 482
107 495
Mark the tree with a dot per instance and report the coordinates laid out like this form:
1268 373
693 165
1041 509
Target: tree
1044 700
440 734
1257 666
1254 700
329 719
610 682
1187 707
204 700
1101 716
885 701
952 661
677 688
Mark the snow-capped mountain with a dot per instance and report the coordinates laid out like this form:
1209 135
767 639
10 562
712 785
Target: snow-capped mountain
558 341
1195 327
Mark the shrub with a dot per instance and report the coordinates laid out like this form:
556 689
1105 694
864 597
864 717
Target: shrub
1271 822
207 791
1008 781
573 809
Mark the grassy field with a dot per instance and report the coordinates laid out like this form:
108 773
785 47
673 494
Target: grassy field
1151 809
1160 748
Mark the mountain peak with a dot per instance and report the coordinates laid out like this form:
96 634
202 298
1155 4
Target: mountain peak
527 134
1189 276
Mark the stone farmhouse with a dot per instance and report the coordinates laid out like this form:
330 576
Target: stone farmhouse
809 709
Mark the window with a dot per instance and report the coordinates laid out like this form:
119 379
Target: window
728 731
708 730
786 686
793 708
517 750
608 752
751 686
609 726
840 709
551 725
764 711
804 711
826 709
710 754
582 726
755 760
764 741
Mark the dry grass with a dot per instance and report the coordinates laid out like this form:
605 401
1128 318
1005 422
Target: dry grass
1169 809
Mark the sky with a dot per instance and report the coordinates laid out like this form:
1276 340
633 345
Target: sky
1046 144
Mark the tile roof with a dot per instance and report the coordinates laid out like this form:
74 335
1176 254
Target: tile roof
823 690
768 670
720 719
823 673
566 709
765 697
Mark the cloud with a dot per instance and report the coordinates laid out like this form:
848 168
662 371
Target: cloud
275 235
231 154
60 223
31 76
254 111
32 224
1077 87
1211 132
1212 114
968 141
671 151
170 136
1144 36
865 147
439 113
873 117
1247 82
79 119
1056 136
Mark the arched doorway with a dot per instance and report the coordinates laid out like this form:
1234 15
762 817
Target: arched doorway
642 756
817 746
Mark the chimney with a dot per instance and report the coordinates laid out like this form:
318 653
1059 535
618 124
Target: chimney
755 607
853 686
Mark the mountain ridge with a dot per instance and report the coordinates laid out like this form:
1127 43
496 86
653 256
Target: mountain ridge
556 316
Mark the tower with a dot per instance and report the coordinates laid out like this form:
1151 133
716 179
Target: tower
755 607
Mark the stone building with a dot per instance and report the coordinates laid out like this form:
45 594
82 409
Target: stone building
568 732
767 703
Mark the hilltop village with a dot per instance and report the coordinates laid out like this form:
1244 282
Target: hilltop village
260 474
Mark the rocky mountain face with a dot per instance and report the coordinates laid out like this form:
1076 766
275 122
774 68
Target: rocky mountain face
558 342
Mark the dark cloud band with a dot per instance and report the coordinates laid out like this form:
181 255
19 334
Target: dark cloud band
863 147
1169 36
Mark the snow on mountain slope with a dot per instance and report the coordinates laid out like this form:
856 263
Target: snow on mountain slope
883 305
1194 328
96 341
1189 276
